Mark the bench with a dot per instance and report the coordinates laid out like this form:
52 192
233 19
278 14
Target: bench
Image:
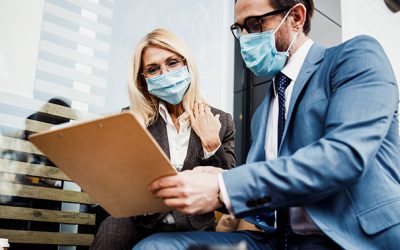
19 202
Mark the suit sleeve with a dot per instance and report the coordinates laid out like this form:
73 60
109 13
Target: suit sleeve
225 156
363 101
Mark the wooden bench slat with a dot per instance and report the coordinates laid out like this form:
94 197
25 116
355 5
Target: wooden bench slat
34 214
45 193
18 167
35 237
16 144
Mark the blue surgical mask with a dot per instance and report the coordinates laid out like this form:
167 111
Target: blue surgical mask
260 55
171 86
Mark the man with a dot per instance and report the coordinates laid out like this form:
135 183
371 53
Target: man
325 151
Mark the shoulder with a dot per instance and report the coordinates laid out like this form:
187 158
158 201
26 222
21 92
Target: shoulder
225 118
224 115
362 58
363 40
362 43
218 111
359 53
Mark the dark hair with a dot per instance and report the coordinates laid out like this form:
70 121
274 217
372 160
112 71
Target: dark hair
309 4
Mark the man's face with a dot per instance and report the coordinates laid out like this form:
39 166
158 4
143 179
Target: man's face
246 8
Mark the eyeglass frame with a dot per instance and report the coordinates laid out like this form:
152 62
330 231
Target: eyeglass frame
180 58
258 18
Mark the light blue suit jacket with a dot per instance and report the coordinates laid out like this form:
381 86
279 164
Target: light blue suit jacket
340 152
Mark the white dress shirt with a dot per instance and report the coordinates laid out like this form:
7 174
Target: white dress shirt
300 222
178 141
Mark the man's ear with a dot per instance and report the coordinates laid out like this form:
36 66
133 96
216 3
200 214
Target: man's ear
298 14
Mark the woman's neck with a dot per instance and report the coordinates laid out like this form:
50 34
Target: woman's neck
175 111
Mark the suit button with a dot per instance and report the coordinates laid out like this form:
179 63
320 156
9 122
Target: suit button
260 202
263 200
251 203
266 199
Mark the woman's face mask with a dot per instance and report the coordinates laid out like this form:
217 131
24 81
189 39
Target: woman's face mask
260 54
171 86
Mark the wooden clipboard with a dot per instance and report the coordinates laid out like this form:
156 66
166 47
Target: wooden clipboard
113 159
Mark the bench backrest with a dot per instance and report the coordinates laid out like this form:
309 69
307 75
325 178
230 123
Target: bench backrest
36 197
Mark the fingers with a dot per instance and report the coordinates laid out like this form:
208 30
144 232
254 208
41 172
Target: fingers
191 116
190 206
196 110
207 111
185 205
182 205
164 182
208 169
201 109
199 169
169 193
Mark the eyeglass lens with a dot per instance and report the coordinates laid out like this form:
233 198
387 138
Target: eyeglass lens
253 24
170 64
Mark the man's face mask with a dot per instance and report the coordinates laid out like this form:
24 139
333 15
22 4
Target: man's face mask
260 54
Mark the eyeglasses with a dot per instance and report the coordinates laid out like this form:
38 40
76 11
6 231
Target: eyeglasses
253 24
153 70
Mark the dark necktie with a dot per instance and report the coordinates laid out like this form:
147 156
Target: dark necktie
281 83
282 220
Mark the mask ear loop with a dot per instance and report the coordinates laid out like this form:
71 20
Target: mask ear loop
292 42
295 36
283 20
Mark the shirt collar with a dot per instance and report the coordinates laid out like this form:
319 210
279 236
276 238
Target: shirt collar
163 111
293 66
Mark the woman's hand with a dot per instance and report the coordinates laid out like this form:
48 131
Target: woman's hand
206 126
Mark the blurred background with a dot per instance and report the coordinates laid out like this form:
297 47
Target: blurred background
63 60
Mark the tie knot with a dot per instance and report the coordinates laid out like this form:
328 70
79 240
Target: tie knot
281 82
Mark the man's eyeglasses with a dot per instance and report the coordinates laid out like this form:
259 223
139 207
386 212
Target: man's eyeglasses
253 24
153 70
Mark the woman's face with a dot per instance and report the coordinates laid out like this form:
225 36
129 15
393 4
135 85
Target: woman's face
157 61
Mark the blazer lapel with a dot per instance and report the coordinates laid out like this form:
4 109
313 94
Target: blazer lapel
259 129
159 131
310 65
194 151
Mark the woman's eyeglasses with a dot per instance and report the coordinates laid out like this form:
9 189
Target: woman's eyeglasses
253 24
153 70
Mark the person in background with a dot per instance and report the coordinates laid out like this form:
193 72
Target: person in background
165 97
325 151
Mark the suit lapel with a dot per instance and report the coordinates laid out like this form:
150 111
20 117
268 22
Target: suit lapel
159 131
259 129
193 152
310 65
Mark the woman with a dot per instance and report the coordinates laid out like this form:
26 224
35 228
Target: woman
165 96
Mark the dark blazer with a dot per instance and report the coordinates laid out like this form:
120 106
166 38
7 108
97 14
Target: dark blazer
224 157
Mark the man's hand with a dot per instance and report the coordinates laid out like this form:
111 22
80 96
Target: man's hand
191 191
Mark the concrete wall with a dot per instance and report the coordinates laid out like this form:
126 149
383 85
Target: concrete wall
326 25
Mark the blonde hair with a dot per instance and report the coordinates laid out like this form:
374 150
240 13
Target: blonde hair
143 104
